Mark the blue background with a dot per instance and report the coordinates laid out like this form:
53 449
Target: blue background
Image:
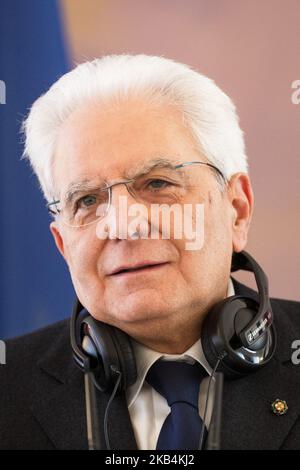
35 287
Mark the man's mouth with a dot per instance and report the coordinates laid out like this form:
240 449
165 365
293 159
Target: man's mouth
137 268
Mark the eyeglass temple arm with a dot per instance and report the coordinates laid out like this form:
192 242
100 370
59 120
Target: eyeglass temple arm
52 204
201 163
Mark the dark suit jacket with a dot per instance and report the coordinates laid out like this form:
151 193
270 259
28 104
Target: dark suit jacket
42 402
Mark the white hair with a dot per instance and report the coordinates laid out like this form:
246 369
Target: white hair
207 111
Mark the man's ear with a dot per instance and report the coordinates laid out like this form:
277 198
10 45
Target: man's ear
57 237
242 202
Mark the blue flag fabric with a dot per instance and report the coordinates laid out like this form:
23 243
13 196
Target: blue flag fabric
35 287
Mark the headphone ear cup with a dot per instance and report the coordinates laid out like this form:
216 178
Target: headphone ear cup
126 357
220 338
97 336
113 353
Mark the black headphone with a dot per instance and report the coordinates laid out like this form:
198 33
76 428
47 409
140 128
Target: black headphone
238 333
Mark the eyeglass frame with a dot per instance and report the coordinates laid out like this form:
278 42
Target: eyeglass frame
126 181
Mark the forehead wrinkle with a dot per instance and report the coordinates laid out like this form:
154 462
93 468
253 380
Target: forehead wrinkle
149 165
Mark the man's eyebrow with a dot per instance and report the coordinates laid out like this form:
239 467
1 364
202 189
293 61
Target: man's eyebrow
152 164
81 186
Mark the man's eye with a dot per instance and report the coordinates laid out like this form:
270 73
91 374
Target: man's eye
86 202
158 184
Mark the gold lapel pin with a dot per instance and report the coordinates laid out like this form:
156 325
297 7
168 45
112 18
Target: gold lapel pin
279 407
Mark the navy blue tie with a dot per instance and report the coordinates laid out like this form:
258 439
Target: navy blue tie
178 383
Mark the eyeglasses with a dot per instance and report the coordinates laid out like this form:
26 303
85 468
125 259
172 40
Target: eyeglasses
160 185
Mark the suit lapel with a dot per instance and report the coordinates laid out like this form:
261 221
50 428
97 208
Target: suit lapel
120 431
248 420
61 413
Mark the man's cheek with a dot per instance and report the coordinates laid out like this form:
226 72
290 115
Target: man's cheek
80 251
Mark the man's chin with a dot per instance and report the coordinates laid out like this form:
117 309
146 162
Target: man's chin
138 311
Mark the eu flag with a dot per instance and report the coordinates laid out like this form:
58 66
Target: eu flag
35 288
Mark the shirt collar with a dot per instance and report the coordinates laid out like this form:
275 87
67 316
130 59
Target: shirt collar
145 357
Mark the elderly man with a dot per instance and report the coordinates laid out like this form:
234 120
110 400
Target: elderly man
114 133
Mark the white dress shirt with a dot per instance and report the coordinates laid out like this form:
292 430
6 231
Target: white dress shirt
147 408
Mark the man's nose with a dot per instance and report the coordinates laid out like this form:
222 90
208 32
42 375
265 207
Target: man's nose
129 224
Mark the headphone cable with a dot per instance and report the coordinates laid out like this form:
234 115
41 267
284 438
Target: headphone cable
106 414
201 439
